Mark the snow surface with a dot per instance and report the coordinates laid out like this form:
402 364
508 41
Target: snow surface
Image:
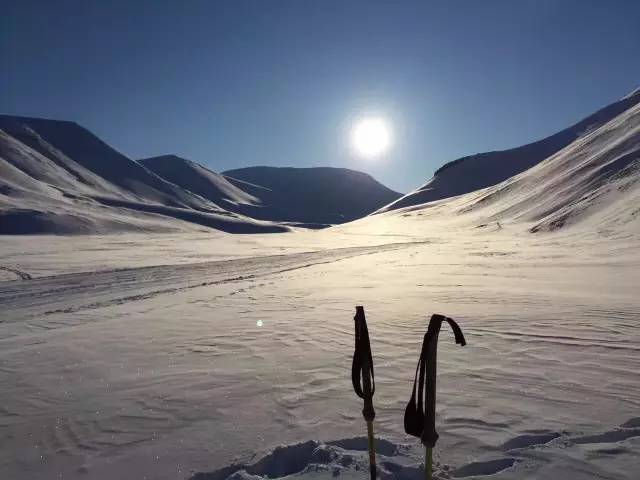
160 369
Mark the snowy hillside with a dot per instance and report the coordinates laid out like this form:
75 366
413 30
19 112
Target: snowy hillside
593 184
57 177
595 181
486 169
68 145
321 195
198 179
303 196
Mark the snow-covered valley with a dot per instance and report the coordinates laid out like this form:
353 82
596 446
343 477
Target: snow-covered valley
203 355
362 240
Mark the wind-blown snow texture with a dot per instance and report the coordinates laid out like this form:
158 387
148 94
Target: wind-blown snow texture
206 349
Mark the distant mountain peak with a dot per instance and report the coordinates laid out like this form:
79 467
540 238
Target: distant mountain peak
313 194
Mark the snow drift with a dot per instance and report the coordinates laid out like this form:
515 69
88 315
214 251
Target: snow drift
118 362
348 458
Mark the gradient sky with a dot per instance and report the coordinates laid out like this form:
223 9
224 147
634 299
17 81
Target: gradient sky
272 82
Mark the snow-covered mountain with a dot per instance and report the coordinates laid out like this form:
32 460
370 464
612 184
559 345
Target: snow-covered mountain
304 196
475 172
199 179
322 195
593 184
595 180
57 177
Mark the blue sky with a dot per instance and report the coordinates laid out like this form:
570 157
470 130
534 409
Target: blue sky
271 82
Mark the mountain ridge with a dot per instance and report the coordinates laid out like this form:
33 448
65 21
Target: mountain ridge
481 170
325 194
58 177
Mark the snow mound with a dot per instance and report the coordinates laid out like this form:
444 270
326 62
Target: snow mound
349 458
482 170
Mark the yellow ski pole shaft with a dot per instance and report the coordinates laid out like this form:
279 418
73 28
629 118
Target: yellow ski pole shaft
428 463
369 414
372 450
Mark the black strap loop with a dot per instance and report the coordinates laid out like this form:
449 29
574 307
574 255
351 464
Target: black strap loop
419 416
362 375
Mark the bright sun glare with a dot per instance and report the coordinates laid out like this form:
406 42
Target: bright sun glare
371 137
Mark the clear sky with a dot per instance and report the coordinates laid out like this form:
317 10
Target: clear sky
274 82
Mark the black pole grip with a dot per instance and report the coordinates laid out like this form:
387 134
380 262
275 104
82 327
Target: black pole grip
420 414
362 376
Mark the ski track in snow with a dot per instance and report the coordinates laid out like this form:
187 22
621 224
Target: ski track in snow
105 288
18 273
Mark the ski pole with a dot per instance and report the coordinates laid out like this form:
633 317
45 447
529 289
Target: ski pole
420 417
364 382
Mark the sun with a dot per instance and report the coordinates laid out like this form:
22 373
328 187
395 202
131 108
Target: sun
371 137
